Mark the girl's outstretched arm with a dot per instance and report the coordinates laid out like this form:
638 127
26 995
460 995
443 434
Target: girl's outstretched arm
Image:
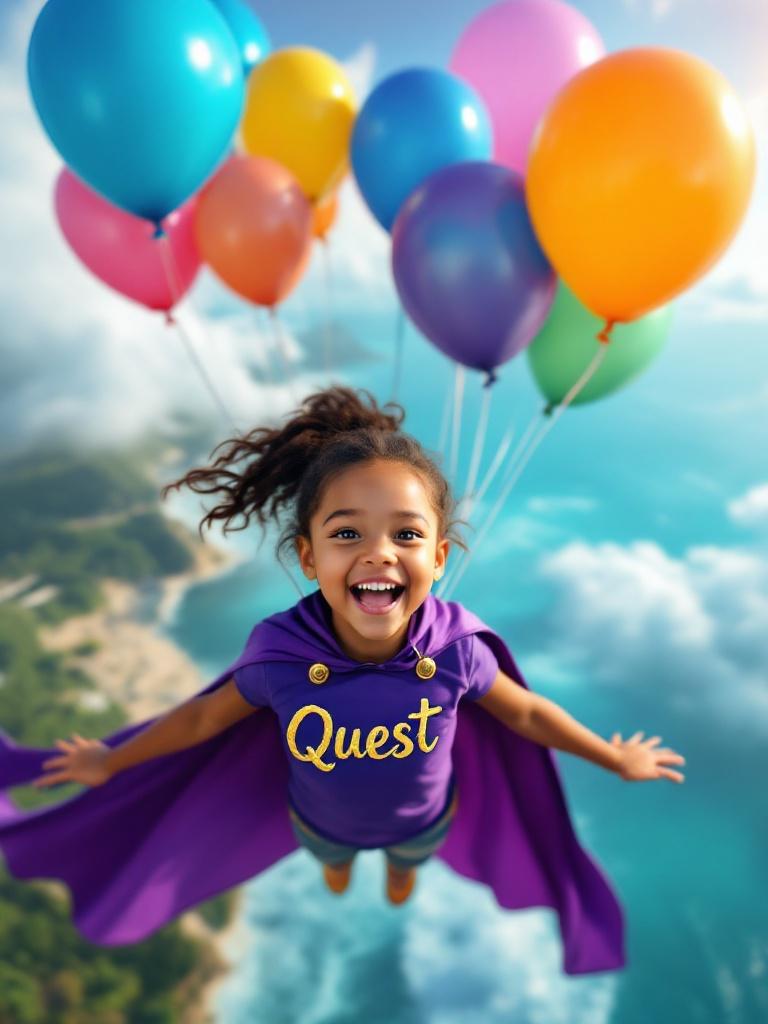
543 721
93 762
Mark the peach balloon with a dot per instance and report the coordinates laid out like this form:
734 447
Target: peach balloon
254 228
324 215
639 175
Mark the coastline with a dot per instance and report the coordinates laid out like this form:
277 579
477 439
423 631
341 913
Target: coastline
143 671
228 944
135 663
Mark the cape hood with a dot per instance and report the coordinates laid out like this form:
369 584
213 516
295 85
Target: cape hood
140 849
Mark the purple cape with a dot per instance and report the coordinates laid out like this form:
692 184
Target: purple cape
165 835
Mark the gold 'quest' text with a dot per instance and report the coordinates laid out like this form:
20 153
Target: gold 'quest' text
377 737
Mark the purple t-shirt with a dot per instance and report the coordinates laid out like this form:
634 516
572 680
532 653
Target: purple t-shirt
379 766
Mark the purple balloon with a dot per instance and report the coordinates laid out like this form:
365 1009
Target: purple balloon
468 267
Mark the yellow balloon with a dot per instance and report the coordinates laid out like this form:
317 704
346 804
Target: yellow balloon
299 110
638 177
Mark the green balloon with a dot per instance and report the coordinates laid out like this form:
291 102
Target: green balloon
567 343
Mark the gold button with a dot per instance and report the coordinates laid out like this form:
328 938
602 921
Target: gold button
318 673
425 668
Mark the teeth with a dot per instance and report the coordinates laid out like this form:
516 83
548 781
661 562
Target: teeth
376 586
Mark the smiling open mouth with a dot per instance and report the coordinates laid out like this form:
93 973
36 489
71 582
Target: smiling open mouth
377 601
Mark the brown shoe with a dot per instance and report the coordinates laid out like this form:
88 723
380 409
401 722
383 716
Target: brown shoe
400 883
337 876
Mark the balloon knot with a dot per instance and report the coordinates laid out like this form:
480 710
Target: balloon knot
170 319
159 231
604 336
490 378
549 408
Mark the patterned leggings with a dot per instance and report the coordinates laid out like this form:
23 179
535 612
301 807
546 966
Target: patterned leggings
409 853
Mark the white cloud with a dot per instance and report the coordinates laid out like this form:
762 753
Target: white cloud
694 628
457 957
658 9
751 509
360 69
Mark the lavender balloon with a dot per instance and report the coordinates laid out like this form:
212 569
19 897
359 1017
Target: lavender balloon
467 266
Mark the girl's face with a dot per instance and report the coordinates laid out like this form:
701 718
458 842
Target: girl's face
361 532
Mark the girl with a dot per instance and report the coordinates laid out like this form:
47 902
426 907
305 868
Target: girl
370 715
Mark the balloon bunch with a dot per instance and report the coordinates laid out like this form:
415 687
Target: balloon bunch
143 101
534 185
536 157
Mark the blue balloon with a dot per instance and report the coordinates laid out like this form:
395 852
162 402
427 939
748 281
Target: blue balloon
140 97
468 267
252 38
412 124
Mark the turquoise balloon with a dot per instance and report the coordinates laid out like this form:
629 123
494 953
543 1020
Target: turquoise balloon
252 38
567 343
414 123
140 97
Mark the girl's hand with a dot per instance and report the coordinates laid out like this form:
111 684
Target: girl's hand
82 761
639 761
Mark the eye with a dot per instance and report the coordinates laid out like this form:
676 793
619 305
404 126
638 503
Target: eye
349 529
414 532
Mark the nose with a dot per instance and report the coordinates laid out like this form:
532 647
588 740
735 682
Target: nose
380 551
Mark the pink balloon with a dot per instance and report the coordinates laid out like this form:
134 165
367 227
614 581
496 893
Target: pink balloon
120 248
518 54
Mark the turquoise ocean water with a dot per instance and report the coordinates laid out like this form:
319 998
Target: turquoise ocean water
631 593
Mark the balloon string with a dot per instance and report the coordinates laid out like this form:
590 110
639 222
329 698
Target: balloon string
546 424
523 459
166 256
265 372
282 349
444 423
520 449
329 303
399 343
477 451
497 461
458 398
173 321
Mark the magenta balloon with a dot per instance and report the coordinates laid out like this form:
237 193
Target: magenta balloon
518 55
119 248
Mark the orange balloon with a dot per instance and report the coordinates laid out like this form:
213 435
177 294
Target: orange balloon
254 228
639 175
324 215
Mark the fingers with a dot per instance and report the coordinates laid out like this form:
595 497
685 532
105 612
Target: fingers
653 741
49 780
667 773
635 737
54 762
669 757
616 738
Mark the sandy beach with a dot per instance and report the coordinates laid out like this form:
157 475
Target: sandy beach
135 664
143 671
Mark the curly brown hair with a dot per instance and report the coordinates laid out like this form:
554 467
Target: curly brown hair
288 467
